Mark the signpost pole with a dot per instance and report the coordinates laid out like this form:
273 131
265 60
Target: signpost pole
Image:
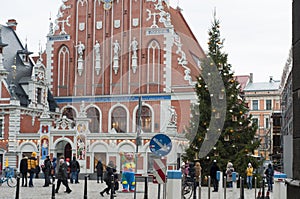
138 139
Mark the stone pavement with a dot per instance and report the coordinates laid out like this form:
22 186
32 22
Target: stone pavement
39 192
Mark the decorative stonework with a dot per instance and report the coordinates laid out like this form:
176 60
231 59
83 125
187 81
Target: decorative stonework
97 57
117 23
80 50
116 49
63 23
134 47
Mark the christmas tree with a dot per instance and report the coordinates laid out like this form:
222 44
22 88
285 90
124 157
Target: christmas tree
221 128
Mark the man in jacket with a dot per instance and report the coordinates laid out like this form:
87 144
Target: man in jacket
62 175
99 168
75 169
24 170
47 169
32 167
213 173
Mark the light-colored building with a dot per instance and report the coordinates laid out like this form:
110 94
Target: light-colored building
263 99
286 89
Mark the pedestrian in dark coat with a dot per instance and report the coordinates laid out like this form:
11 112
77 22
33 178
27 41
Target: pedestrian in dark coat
47 169
99 168
62 175
24 170
53 169
270 175
213 174
110 169
75 169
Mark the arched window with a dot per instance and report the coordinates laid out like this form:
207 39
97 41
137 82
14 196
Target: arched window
118 120
153 67
93 115
69 113
63 71
146 119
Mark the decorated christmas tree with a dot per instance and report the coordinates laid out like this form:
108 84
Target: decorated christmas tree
221 128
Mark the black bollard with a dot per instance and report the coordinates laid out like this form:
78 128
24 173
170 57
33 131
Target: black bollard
146 188
263 187
158 193
242 188
85 186
18 187
53 190
112 187
194 188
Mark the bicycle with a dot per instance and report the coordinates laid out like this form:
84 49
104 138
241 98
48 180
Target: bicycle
187 187
9 178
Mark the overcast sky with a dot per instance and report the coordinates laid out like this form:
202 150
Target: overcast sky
257 33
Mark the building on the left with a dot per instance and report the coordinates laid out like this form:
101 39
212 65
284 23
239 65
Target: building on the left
25 100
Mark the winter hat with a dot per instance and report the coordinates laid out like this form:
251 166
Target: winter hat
33 154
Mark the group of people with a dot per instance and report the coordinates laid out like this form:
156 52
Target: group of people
66 169
196 172
110 177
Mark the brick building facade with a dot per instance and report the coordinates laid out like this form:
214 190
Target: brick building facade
100 58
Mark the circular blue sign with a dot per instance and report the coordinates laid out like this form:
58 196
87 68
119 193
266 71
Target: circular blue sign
160 145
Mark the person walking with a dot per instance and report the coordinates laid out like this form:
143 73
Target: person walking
213 174
53 169
249 173
62 175
269 174
24 169
32 167
46 170
198 169
229 170
75 169
110 169
99 168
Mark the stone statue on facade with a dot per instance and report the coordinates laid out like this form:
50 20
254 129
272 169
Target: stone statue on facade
173 116
116 49
134 47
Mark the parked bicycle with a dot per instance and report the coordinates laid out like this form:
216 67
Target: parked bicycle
187 187
9 177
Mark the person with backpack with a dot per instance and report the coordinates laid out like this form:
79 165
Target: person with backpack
75 169
99 168
269 174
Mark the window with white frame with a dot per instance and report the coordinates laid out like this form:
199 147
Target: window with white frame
267 123
254 104
255 121
146 119
94 116
268 104
119 120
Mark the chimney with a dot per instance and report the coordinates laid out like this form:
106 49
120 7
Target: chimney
251 78
12 23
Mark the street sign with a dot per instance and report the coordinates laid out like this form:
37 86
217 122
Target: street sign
160 145
159 170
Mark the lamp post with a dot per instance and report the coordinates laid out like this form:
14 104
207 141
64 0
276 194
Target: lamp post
138 138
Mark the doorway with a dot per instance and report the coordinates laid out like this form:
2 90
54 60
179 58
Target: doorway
64 148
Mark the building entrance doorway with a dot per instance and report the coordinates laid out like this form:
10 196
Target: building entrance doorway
63 148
